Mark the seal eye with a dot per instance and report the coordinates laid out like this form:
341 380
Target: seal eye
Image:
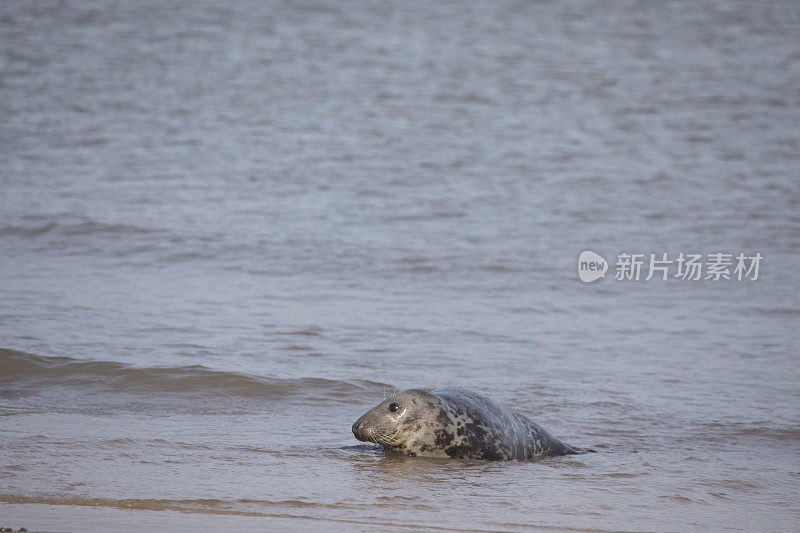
393 407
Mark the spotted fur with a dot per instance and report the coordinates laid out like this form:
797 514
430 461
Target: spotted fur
455 423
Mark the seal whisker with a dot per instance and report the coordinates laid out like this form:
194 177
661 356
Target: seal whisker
393 439
384 438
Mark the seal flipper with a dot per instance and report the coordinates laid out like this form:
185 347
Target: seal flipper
574 450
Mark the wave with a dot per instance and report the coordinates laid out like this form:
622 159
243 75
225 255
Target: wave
27 372
67 228
314 513
206 505
727 431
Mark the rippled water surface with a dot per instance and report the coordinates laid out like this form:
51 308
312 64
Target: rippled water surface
229 229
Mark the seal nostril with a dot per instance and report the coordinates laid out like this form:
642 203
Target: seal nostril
362 431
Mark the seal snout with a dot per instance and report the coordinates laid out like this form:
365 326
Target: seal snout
361 431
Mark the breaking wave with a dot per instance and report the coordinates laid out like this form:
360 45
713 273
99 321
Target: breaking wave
28 372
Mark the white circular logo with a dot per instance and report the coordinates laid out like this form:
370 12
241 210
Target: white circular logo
591 266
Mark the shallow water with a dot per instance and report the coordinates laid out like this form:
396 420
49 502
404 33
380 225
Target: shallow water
228 231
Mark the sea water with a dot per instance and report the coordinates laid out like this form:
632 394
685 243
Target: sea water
229 229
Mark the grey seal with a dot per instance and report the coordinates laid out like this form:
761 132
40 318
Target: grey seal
456 423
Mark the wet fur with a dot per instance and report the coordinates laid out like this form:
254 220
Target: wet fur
456 423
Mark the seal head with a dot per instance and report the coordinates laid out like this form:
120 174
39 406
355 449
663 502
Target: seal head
455 423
